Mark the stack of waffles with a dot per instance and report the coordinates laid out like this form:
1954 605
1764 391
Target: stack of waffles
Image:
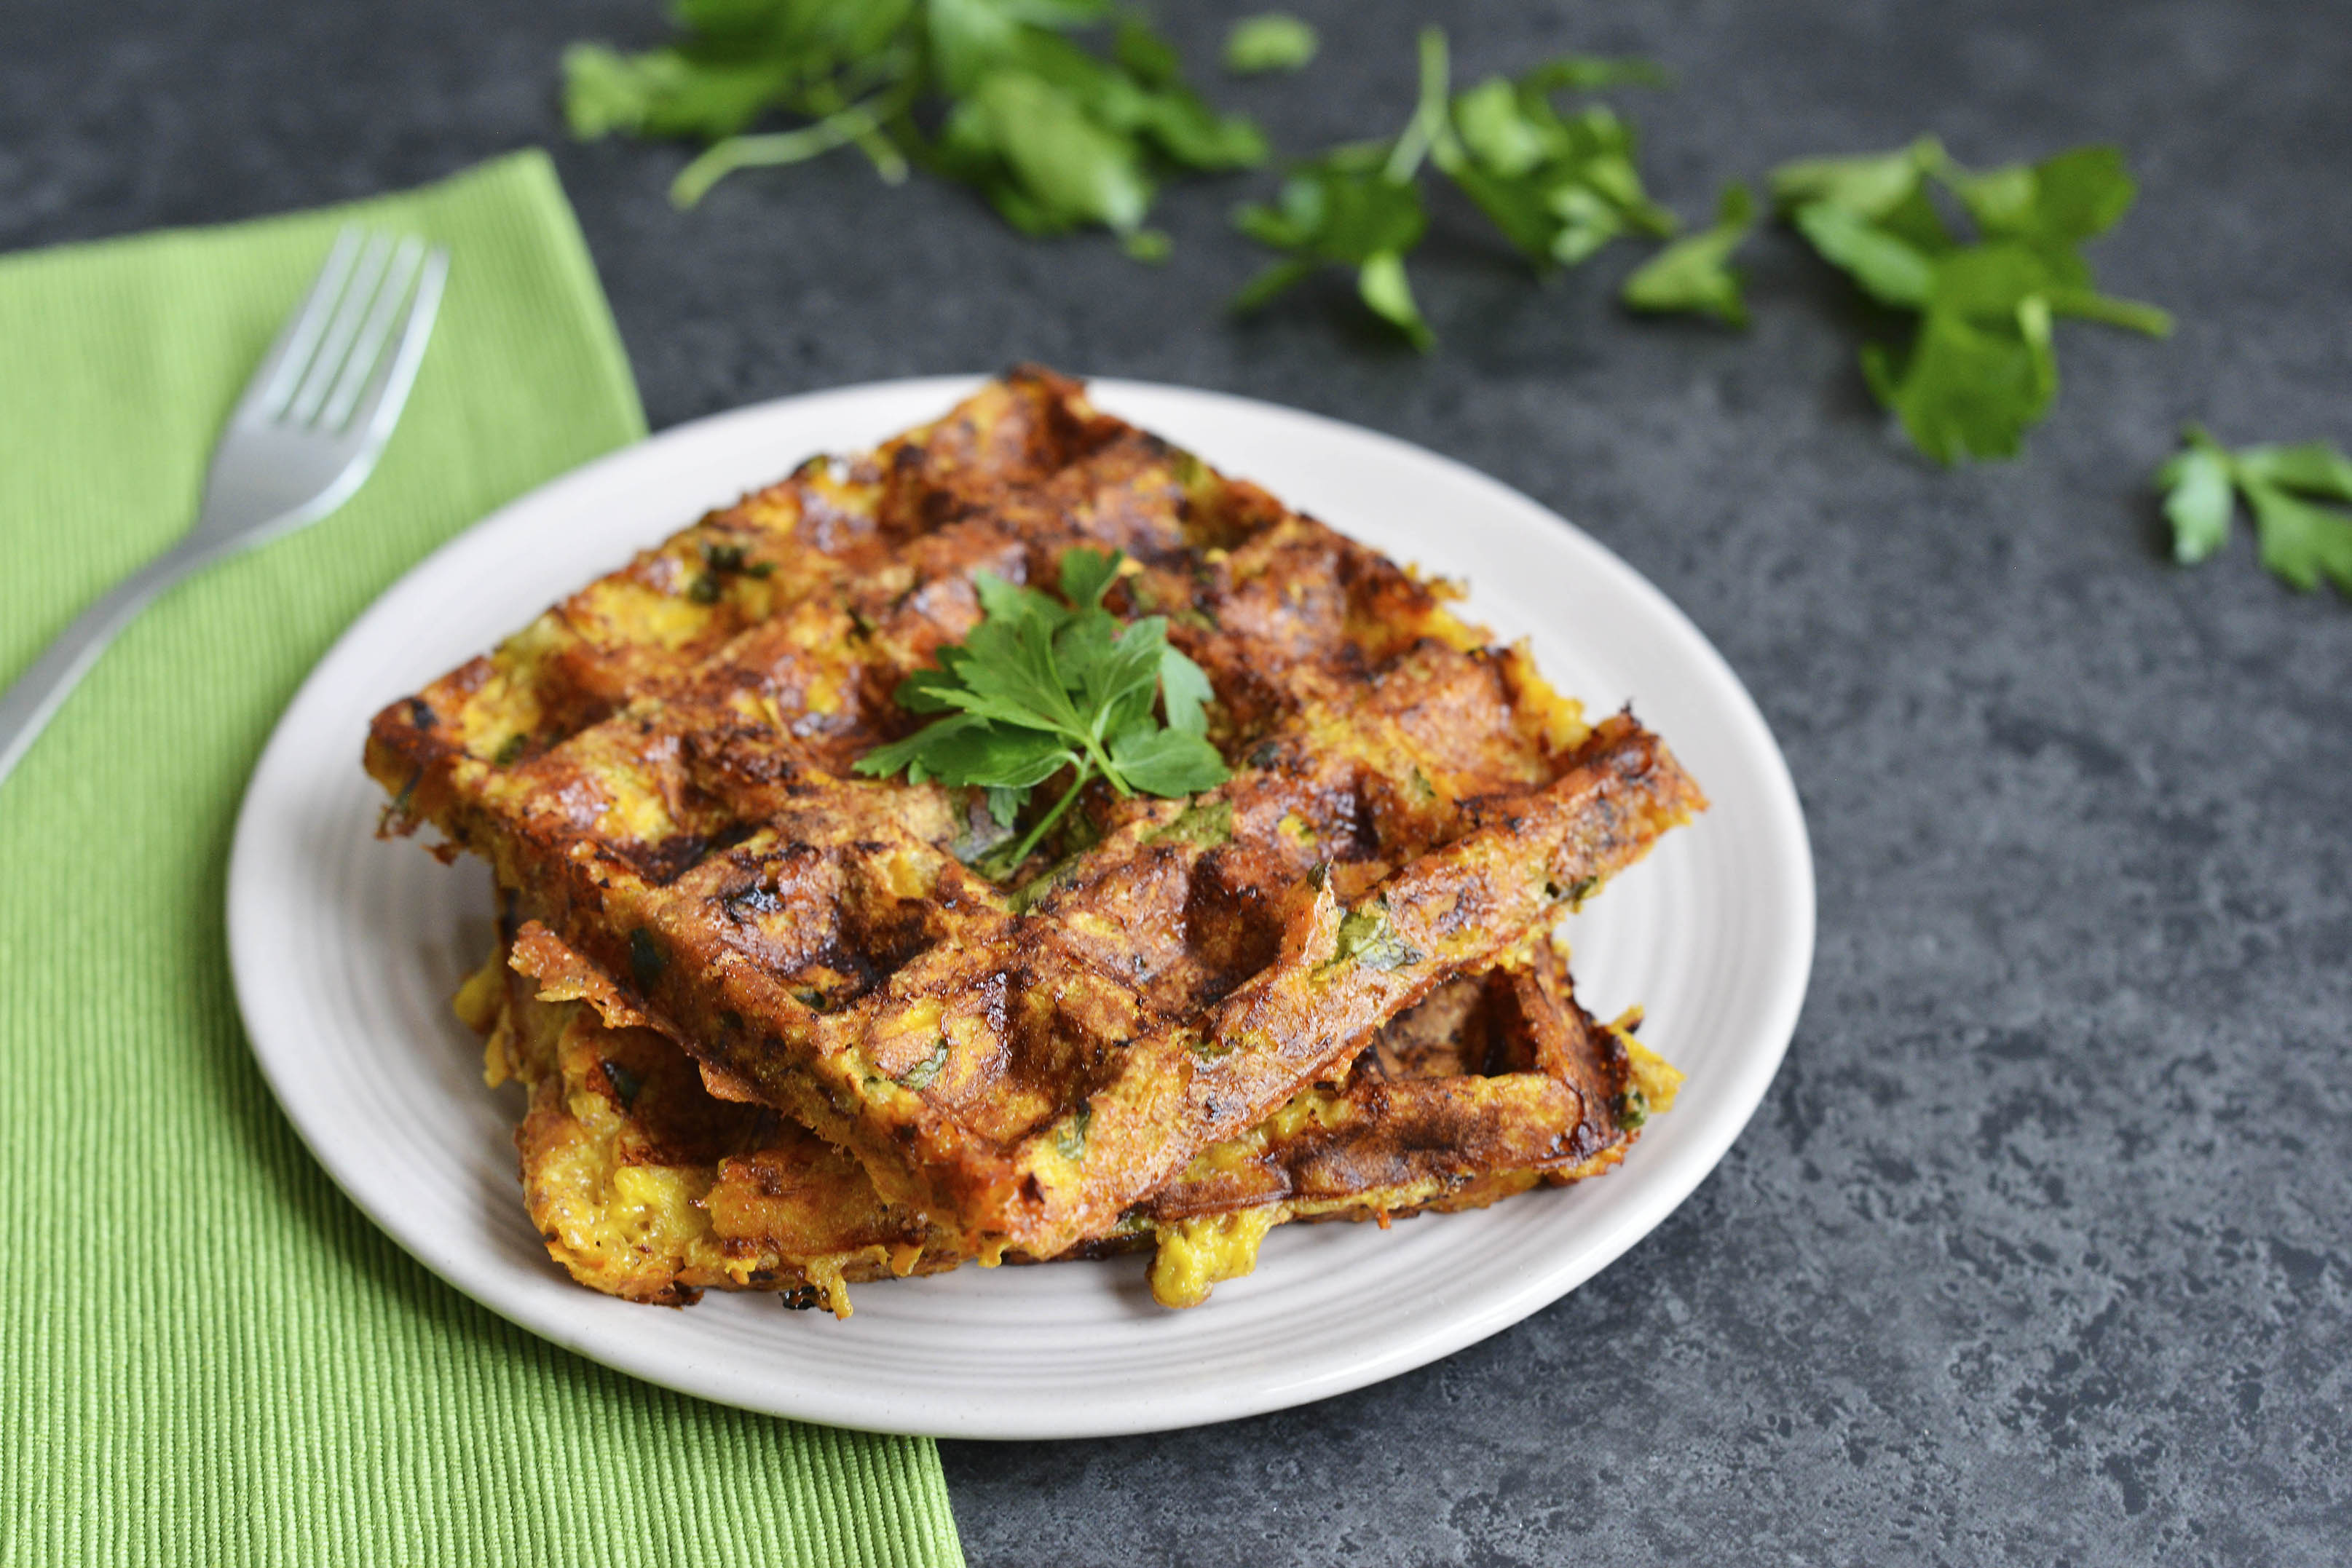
779 1033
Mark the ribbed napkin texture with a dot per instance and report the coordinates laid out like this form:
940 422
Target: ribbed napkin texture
209 1355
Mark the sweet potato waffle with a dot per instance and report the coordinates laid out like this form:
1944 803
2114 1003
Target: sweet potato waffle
660 766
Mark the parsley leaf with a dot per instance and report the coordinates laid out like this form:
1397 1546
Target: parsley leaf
1358 206
663 93
1980 367
1044 162
1342 210
1276 41
1557 186
1043 684
2301 540
1054 134
1694 273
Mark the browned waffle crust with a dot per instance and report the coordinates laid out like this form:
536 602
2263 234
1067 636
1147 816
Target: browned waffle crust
646 1186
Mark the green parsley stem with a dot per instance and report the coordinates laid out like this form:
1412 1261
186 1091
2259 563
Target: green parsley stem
1099 760
826 99
2130 314
1045 823
854 124
1428 117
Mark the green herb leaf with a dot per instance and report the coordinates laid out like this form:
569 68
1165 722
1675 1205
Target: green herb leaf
921 1074
1044 685
860 123
1695 273
1967 389
1337 210
1357 206
2301 540
2313 468
1086 575
1005 803
1276 41
1055 134
1558 186
2060 201
662 93
1057 168
1185 693
2197 500
1890 269
1381 284
995 756
1070 1138
1334 212
1167 762
1979 368
1873 187
1149 59
1370 938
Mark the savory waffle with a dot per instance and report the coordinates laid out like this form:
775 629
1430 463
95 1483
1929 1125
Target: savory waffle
646 1186
661 767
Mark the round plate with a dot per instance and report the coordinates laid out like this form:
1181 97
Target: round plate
347 949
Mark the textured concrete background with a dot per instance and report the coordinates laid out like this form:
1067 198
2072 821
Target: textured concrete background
2038 1250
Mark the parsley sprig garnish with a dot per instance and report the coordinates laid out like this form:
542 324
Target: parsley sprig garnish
1979 368
2301 540
1041 685
998 94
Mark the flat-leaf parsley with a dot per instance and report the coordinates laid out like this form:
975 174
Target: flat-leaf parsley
2301 540
1980 368
1041 685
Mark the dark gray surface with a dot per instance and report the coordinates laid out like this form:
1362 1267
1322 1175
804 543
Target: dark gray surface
2038 1249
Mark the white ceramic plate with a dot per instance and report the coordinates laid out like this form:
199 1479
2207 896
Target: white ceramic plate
347 949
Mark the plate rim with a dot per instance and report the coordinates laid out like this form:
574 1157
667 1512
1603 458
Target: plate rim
1664 1189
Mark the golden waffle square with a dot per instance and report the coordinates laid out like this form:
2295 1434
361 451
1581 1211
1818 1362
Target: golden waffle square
661 765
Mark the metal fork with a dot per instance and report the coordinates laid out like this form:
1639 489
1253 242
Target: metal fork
305 436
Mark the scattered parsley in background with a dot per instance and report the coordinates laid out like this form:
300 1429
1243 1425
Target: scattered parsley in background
998 94
1558 187
1695 273
1979 368
1067 114
1273 42
2301 541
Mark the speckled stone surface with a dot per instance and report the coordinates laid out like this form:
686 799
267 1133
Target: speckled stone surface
2041 1249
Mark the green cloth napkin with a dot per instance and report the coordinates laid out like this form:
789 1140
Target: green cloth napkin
208 1355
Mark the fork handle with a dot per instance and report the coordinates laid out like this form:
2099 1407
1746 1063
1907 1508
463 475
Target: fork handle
28 706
